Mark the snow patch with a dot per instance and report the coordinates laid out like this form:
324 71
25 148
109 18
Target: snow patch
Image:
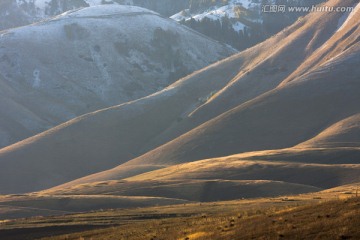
238 26
183 15
216 13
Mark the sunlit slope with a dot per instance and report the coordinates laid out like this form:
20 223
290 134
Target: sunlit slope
263 116
188 189
345 133
270 63
288 115
309 168
248 175
240 167
283 117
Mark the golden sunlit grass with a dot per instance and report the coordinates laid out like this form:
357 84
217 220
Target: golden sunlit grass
338 219
330 214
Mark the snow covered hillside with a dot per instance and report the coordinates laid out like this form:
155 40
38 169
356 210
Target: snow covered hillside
92 58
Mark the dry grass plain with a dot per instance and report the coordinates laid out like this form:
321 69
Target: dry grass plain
338 219
329 214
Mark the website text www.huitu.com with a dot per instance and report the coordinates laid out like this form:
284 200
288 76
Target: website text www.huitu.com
307 9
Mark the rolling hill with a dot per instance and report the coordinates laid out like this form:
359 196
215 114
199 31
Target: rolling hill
322 91
249 175
345 133
282 117
282 107
89 59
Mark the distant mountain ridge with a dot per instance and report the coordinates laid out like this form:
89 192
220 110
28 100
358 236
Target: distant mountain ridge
14 13
240 23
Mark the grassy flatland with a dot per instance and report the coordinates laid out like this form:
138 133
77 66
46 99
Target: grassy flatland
334 213
21 206
338 219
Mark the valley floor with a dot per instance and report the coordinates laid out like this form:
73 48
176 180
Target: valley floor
329 214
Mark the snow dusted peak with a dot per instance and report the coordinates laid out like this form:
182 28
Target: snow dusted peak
43 4
40 9
100 2
107 10
218 10
236 10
